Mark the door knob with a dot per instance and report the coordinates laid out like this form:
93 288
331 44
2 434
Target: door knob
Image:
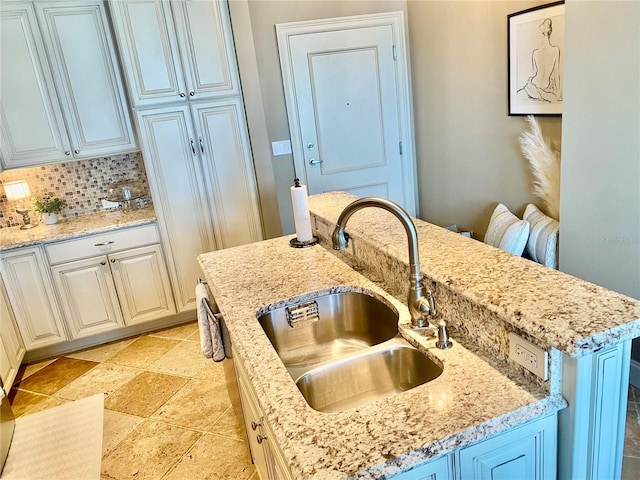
315 161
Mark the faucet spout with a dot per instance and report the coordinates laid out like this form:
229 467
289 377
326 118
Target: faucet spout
420 302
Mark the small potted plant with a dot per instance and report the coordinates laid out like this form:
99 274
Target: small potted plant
49 206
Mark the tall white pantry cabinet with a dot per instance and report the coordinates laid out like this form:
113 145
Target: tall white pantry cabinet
179 62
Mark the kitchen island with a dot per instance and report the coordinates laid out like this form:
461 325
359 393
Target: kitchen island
480 395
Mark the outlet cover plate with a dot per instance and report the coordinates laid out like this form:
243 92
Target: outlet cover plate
530 356
281 147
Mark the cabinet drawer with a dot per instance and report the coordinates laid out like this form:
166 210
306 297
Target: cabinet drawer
101 244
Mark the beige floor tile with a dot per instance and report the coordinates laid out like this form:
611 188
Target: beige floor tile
198 405
28 370
26 403
144 394
180 332
184 359
56 375
148 452
116 427
143 351
229 425
102 352
105 378
214 371
214 458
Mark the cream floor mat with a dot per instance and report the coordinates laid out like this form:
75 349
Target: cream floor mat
61 443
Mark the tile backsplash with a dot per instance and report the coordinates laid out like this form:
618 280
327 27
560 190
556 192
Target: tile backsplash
82 183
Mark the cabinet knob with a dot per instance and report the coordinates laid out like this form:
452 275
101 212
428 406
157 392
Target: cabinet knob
192 93
67 153
76 151
255 425
103 263
182 94
113 260
261 438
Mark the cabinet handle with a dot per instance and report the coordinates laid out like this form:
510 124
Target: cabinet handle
201 145
261 438
192 93
103 244
255 425
182 94
193 148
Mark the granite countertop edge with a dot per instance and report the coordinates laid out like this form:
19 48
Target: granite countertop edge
73 227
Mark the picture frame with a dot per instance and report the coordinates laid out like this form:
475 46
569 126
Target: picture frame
535 40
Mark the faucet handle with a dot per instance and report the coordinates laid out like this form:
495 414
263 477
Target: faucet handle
432 304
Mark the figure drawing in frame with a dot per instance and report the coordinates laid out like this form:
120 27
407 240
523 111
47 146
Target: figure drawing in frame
536 39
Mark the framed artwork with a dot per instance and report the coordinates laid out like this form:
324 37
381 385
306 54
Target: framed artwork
535 61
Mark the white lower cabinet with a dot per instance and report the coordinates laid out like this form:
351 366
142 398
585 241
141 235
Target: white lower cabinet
265 452
11 346
126 285
30 291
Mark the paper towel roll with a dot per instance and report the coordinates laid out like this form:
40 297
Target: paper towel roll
301 216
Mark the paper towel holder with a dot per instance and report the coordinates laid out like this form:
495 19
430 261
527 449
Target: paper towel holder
295 243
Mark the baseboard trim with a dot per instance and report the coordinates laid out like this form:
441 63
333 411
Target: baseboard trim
634 373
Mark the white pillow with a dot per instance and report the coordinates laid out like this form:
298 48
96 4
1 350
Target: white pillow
542 245
506 231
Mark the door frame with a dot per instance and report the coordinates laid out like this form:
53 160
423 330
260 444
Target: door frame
405 103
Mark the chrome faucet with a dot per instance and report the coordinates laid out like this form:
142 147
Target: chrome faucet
420 301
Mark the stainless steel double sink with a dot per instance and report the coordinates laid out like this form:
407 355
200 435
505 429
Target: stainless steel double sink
343 350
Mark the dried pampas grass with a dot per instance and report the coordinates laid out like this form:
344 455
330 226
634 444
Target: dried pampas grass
544 160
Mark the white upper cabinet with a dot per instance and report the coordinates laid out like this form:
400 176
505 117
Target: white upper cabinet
32 125
62 93
87 76
175 50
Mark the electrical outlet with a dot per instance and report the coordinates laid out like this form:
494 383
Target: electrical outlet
530 356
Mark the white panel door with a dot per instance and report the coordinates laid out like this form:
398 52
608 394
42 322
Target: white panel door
233 196
87 75
347 114
33 129
206 44
88 296
142 283
171 154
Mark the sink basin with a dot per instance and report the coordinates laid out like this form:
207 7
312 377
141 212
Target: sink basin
365 377
327 328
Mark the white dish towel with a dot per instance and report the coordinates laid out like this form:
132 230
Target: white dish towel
209 326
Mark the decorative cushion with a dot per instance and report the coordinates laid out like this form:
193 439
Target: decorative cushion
506 231
542 245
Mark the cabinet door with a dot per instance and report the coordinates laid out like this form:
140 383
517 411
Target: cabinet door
32 297
33 130
206 45
233 199
88 296
149 50
142 284
527 452
11 346
439 469
175 174
87 77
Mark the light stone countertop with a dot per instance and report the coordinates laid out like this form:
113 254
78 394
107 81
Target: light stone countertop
559 310
72 227
470 401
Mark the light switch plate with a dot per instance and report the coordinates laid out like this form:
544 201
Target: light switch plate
530 356
281 147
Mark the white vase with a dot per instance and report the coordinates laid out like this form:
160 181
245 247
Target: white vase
49 218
